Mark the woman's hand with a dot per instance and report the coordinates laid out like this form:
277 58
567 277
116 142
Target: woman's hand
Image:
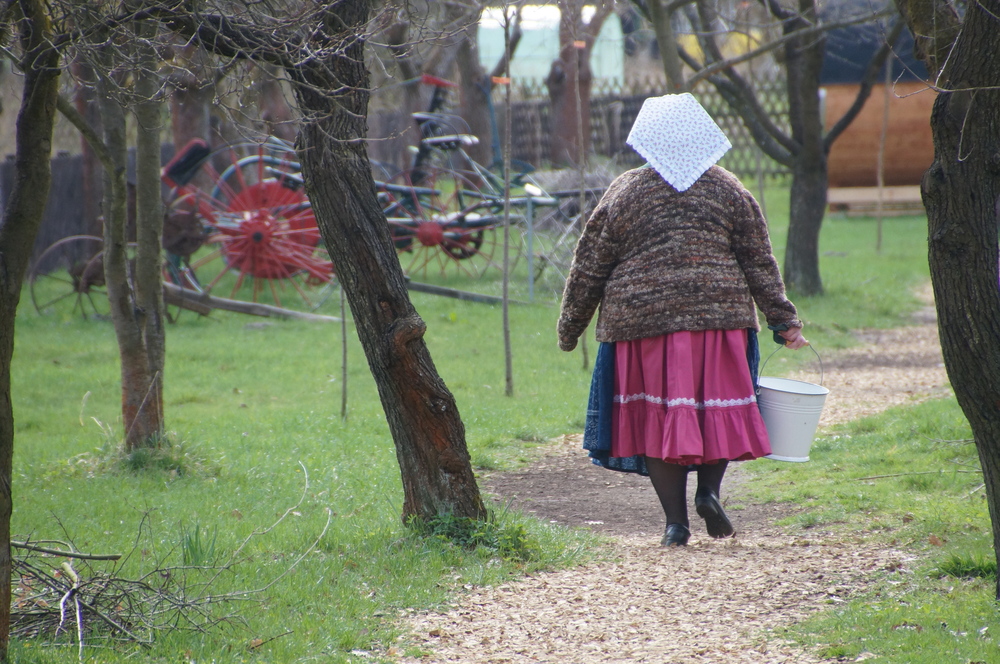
793 338
567 343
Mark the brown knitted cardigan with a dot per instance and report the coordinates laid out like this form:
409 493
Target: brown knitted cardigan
660 261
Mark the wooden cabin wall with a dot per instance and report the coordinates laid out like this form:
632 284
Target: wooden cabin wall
909 147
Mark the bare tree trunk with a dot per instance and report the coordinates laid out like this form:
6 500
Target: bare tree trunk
149 312
190 102
192 92
961 192
87 107
803 62
137 385
421 412
807 209
474 104
22 217
569 79
667 41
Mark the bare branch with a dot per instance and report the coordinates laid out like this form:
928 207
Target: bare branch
728 63
66 554
593 28
229 37
741 97
90 134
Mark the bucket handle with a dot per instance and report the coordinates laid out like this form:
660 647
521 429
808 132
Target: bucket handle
809 346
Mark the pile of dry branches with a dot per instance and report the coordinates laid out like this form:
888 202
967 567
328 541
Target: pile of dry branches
63 598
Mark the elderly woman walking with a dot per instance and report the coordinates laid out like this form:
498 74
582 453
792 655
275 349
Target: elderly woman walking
677 255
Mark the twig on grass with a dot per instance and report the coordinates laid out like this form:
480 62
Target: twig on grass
957 441
65 554
257 643
924 472
256 533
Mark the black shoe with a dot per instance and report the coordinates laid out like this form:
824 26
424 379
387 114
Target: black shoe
676 535
707 504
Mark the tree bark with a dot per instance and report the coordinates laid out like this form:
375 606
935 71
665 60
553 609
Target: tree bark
475 100
570 79
961 192
190 102
276 114
807 209
192 92
421 412
667 42
21 219
140 419
803 62
149 312
87 106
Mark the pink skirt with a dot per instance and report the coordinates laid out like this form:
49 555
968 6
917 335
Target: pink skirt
686 398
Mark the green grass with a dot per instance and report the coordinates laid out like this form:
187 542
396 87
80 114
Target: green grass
254 410
906 479
255 431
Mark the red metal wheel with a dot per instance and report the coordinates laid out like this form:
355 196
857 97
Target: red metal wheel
263 242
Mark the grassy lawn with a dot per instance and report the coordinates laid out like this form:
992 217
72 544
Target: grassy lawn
257 441
254 411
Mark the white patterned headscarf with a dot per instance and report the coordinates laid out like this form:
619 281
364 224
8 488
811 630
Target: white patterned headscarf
678 138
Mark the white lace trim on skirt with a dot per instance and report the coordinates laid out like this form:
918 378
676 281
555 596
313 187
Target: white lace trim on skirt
700 405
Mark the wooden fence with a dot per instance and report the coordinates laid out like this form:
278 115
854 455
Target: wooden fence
614 106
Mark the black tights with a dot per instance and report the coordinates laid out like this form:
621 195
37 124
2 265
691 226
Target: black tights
670 483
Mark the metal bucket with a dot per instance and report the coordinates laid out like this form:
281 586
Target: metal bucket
791 411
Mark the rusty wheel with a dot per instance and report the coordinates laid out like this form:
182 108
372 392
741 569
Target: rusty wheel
68 279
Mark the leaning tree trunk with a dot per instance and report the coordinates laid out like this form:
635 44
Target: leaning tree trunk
22 217
961 192
421 412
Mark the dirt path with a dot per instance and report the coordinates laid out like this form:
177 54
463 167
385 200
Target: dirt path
713 601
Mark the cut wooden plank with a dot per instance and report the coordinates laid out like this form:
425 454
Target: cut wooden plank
865 200
203 303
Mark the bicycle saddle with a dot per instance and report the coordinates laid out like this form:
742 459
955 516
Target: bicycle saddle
451 141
